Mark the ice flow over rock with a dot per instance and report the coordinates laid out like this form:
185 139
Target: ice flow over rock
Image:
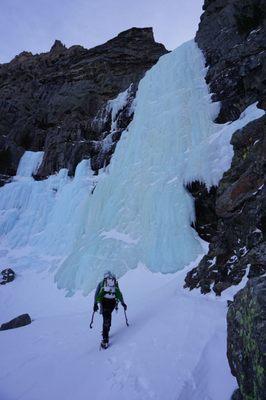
139 210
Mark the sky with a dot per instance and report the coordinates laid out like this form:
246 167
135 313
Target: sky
33 25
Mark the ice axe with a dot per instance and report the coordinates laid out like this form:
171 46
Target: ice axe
126 317
92 319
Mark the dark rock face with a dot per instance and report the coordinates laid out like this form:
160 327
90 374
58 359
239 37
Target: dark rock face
232 36
246 343
206 217
238 241
237 395
52 101
17 322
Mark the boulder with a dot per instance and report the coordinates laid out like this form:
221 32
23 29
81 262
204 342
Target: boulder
17 322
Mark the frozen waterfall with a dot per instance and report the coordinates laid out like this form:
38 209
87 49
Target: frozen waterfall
141 211
138 211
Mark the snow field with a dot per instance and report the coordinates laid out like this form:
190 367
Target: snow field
174 348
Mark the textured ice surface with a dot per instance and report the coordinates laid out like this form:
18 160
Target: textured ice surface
138 211
171 141
45 216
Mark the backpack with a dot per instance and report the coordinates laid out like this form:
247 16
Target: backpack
8 275
109 288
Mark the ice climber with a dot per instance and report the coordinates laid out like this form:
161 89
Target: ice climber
108 295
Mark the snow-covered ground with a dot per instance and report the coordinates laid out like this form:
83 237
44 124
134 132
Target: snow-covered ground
174 348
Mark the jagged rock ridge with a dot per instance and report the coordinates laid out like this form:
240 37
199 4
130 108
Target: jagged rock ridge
50 101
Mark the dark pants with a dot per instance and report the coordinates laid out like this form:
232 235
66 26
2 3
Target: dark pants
108 306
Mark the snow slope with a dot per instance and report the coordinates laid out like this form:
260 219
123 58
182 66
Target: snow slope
174 348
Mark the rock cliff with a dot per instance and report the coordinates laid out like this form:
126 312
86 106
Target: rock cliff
56 101
232 216
232 36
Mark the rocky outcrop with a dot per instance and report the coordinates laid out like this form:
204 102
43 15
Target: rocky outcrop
239 240
17 322
246 343
54 101
232 36
236 57
206 217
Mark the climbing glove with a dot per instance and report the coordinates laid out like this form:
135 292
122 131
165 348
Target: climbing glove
95 307
124 305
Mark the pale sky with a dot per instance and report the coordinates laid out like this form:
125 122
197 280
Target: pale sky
33 25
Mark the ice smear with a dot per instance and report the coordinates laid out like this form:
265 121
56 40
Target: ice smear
114 107
29 163
117 104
